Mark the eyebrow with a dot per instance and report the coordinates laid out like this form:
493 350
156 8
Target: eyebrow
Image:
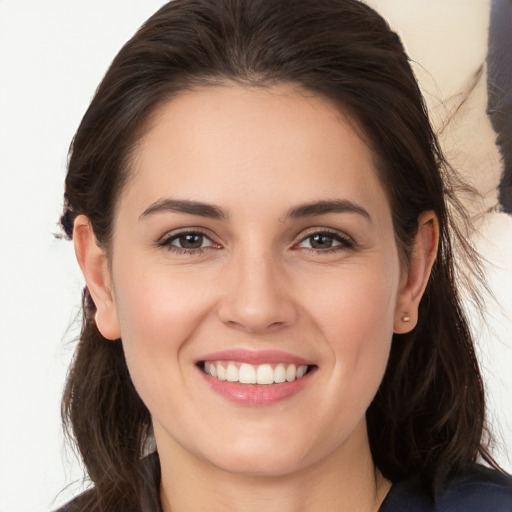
325 207
215 212
185 206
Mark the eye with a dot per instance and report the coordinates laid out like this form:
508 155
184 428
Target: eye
187 242
325 241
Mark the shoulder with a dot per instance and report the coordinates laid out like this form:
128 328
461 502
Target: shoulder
80 503
147 500
475 489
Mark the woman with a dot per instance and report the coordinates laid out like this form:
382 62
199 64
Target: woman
256 202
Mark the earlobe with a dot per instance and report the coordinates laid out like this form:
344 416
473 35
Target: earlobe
416 277
95 268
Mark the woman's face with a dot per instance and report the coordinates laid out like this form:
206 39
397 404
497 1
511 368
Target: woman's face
253 242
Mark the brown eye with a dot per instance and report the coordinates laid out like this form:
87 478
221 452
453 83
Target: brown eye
321 241
325 240
189 241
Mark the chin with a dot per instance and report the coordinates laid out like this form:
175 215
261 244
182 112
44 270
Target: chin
260 465
261 457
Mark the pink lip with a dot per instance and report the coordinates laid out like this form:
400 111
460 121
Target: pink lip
256 394
255 357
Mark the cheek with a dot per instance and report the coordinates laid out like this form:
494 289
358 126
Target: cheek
159 312
356 300
356 319
157 305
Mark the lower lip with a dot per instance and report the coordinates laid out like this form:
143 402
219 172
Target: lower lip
256 394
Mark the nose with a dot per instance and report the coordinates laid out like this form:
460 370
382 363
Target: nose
257 296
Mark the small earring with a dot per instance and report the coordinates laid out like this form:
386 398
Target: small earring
406 318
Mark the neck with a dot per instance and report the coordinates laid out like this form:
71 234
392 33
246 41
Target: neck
344 481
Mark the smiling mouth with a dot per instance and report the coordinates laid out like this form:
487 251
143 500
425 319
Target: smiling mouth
245 373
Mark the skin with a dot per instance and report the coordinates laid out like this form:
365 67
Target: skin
257 284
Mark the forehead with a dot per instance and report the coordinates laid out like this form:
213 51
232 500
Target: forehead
220 143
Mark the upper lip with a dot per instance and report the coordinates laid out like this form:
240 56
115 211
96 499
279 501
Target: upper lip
255 357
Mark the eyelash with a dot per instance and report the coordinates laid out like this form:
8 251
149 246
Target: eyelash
344 242
166 243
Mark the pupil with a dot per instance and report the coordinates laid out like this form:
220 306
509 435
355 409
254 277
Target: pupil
191 241
321 241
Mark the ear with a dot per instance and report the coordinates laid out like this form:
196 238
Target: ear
95 268
417 274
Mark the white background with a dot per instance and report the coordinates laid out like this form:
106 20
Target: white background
53 54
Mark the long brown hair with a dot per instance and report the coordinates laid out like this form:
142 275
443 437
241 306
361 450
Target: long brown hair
428 415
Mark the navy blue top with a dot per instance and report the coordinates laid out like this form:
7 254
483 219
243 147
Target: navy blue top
477 489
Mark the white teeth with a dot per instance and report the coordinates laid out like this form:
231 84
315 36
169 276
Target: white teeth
221 372
301 371
247 374
265 374
291 373
279 373
254 374
232 373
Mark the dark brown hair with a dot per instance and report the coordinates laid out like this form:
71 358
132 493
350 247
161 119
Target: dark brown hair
428 415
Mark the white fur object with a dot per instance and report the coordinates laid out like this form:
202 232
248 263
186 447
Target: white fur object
447 39
447 42
493 331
